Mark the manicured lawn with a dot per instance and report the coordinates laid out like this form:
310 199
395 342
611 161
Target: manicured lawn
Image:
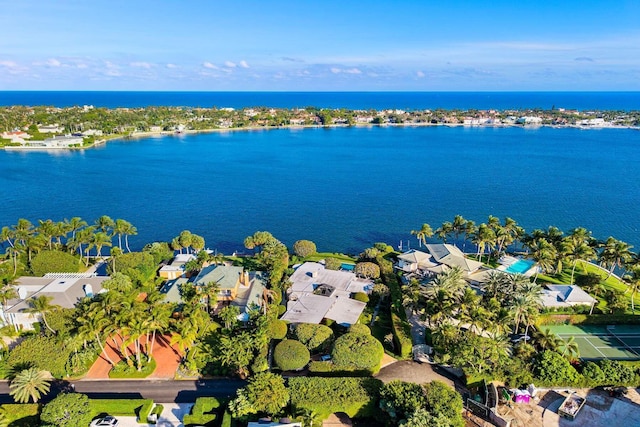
123 407
323 255
22 415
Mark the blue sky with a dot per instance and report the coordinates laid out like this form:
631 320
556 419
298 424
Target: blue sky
324 46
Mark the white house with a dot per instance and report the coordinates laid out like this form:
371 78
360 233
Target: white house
559 296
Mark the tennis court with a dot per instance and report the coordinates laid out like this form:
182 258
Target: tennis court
619 342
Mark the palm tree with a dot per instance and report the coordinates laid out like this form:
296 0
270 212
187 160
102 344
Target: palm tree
632 281
458 226
30 384
484 237
105 224
547 340
445 229
544 254
119 228
570 348
423 234
99 240
93 324
469 230
576 250
229 315
75 224
210 293
614 254
42 304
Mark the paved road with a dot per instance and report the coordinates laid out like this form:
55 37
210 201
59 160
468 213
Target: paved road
161 391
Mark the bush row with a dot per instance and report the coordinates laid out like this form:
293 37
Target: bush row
356 397
399 326
202 411
585 319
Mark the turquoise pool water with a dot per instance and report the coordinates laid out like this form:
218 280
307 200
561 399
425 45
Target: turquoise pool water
520 266
348 267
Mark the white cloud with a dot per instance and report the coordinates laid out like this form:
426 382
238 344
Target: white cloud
81 65
139 64
53 62
171 66
244 64
419 73
209 65
336 70
8 64
229 64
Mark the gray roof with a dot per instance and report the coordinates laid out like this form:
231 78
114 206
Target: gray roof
345 311
226 276
571 294
171 290
308 308
310 275
452 256
65 292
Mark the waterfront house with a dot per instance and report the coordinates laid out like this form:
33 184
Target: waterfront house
228 277
176 268
317 293
17 136
451 256
65 290
66 141
564 296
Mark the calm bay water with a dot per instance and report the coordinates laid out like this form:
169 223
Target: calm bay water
342 188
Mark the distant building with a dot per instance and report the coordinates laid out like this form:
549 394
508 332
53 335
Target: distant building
66 141
176 268
529 120
55 128
563 296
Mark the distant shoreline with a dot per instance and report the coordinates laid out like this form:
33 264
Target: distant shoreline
190 132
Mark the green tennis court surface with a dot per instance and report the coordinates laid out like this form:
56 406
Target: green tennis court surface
620 342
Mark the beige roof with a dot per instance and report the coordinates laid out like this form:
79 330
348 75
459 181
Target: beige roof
310 275
452 256
65 292
414 256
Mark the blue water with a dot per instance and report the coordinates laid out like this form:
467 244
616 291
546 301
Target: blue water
520 266
343 188
348 267
352 100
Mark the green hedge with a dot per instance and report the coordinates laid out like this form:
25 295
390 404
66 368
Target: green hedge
54 262
122 370
145 410
585 319
400 328
203 411
226 419
357 352
291 355
357 397
124 407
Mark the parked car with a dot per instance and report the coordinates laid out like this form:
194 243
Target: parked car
107 421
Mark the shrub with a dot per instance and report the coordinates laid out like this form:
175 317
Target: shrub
203 411
356 397
277 329
444 401
359 328
54 262
368 270
290 355
615 373
123 370
593 374
67 410
550 368
320 367
226 419
281 310
41 352
357 352
315 337
361 296
332 264
21 414
304 248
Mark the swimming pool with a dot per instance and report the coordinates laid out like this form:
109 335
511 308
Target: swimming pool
521 266
348 267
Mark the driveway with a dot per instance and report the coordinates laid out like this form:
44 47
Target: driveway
167 359
172 416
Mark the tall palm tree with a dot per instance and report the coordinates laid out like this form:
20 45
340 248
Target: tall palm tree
547 340
570 348
93 324
75 224
30 384
484 237
42 304
444 230
615 253
458 226
101 239
423 234
469 230
632 281
105 224
544 254
577 250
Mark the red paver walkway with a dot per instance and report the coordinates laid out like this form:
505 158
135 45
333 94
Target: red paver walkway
167 359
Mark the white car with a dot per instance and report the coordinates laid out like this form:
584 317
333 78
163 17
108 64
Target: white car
107 421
